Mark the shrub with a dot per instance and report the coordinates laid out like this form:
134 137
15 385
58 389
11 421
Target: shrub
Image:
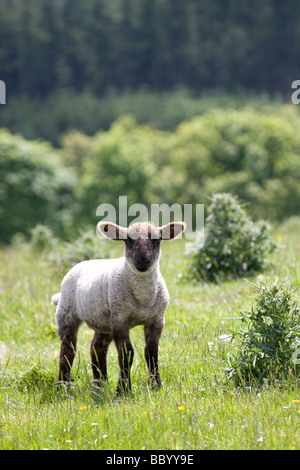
234 244
41 238
76 148
125 158
265 348
34 187
86 246
248 152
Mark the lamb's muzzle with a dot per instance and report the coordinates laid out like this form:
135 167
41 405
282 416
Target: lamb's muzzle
113 296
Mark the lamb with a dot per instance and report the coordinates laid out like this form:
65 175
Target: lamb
114 295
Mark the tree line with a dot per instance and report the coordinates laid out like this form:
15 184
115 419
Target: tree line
98 45
250 153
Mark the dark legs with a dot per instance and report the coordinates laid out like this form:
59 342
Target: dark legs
66 358
125 357
152 336
98 350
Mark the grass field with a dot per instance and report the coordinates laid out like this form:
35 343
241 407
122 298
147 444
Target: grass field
197 408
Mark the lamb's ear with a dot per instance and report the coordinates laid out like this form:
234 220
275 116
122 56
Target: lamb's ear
112 231
172 230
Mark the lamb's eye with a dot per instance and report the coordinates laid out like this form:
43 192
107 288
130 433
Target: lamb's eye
129 243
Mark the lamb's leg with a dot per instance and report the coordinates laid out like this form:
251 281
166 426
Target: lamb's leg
125 357
99 348
67 330
152 336
66 358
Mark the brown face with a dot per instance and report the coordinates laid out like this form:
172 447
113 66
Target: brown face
142 253
142 246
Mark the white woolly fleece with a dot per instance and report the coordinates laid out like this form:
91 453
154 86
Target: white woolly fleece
106 292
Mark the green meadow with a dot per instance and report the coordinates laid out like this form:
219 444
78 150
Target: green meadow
197 407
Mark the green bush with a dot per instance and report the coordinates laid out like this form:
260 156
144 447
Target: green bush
35 188
125 158
234 244
86 246
265 347
76 149
41 238
248 152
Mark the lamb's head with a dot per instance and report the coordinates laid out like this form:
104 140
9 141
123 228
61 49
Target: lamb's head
142 240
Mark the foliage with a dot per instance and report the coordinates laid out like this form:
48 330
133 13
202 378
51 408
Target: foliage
86 246
252 153
41 238
37 376
34 187
64 110
247 152
234 244
125 159
76 148
47 46
265 346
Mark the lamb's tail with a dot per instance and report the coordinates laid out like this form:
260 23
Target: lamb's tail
55 299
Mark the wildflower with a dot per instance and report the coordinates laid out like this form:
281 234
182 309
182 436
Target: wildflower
186 261
207 258
279 238
180 408
296 401
83 407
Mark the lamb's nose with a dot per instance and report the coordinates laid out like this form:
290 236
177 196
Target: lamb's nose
145 260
